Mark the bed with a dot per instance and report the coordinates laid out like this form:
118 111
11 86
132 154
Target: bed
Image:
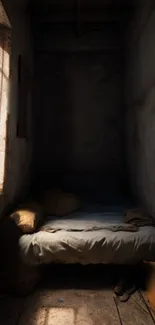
85 237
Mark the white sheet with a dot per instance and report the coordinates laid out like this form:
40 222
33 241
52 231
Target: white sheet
89 247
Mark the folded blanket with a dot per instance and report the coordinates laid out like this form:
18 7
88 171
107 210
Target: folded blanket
138 217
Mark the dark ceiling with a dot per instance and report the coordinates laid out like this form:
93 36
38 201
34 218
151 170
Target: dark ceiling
60 11
83 2
85 10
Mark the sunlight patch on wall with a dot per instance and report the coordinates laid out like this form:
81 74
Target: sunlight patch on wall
4 94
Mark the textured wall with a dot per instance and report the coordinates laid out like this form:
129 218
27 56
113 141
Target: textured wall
19 154
4 90
18 151
79 91
140 102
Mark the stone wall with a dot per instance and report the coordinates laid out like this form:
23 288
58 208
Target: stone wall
140 103
18 150
78 107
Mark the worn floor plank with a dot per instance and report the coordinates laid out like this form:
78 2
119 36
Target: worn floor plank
134 312
79 307
138 300
148 307
51 306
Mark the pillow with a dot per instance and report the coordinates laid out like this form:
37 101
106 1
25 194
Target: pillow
27 217
59 203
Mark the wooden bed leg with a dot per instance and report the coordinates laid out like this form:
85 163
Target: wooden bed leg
150 286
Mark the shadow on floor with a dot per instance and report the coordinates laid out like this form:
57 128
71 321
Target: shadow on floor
92 276
78 295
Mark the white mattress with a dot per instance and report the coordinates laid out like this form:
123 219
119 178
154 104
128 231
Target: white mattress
88 246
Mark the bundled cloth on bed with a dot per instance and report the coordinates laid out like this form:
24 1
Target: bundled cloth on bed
138 218
88 237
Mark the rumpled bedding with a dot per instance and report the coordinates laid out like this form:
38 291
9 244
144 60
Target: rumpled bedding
88 237
139 218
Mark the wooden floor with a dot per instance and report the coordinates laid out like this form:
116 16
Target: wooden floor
75 307
62 301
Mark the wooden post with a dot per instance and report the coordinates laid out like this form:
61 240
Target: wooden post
150 286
